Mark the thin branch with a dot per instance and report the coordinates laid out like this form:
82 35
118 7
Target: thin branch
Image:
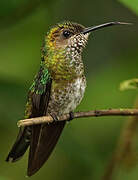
66 117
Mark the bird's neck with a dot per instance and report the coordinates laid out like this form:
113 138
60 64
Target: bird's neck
64 64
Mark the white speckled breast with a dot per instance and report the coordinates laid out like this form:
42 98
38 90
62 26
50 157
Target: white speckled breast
65 98
66 94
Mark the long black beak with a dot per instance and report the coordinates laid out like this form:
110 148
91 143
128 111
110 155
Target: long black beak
89 29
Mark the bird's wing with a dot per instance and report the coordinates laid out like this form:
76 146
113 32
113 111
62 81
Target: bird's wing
44 137
37 103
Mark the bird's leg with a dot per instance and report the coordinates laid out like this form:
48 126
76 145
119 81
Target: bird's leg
71 114
55 118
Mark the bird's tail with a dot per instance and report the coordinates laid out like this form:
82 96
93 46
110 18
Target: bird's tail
43 140
20 146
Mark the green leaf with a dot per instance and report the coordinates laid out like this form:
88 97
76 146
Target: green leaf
132 4
129 84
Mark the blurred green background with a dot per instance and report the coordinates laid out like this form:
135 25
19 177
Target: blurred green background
111 56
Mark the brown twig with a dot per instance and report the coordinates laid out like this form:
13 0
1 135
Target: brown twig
96 113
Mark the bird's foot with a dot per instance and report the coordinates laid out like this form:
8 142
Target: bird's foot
71 114
55 118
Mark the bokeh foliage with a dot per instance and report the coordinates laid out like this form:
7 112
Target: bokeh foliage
110 57
133 5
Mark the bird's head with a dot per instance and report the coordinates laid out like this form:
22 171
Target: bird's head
69 34
66 36
63 46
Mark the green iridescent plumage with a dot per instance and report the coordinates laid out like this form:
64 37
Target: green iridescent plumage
40 80
38 87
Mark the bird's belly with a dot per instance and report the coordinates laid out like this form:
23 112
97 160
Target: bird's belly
65 98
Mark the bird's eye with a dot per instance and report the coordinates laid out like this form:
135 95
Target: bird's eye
66 33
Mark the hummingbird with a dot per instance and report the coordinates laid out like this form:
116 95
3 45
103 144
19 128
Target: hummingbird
57 89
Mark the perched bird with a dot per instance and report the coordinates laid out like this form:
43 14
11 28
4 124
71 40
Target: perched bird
58 88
